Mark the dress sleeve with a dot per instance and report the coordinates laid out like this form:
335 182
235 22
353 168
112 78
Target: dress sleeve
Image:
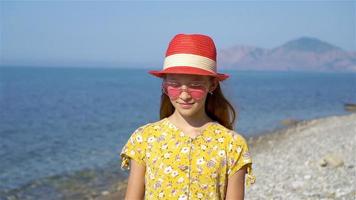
239 156
135 148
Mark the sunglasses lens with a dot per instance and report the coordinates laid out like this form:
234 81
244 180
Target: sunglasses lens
173 92
197 93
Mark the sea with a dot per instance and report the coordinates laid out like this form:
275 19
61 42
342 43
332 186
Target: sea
61 119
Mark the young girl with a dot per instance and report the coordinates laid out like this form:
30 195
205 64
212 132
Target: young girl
192 152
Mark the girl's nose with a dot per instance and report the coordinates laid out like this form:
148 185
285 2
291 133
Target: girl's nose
184 94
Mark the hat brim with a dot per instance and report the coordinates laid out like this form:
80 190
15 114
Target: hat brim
187 70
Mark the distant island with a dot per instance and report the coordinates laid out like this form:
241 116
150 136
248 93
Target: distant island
302 54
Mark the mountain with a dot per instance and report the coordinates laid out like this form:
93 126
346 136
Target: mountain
302 54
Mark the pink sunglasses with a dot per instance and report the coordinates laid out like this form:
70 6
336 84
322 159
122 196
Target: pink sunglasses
173 89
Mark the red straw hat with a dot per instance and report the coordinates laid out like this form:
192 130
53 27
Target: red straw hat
190 54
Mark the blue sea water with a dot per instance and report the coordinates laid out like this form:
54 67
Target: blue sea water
55 120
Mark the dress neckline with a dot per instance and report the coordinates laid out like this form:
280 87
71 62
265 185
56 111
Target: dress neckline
203 130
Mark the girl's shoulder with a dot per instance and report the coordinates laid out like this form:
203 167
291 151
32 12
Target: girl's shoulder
228 133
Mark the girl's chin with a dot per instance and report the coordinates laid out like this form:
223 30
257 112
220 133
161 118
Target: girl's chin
188 109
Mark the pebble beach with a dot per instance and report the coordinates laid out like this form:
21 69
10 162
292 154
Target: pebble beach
310 160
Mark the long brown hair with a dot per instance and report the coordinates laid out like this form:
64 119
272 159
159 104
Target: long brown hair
217 108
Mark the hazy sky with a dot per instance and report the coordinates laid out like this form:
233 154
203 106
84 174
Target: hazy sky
93 33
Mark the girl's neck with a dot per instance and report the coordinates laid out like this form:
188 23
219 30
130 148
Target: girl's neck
195 121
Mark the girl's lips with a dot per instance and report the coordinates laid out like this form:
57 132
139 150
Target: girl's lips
186 105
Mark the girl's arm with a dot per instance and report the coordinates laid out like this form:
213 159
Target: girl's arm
236 185
136 182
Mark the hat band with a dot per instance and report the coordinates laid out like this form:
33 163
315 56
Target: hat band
190 60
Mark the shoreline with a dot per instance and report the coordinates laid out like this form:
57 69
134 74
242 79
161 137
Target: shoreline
292 181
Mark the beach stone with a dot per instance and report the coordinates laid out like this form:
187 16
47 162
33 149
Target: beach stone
323 163
289 122
307 177
307 163
332 160
122 185
341 192
330 195
104 193
297 185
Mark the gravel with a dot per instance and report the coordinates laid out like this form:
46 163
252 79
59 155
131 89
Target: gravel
312 159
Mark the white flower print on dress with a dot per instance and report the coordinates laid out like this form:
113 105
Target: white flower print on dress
177 144
221 153
204 186
152 176
200 161
230 147
180 180
167 155
182 197
203 147
164 146
156 127
132 152
185 150
174 173
151 139
200 195
217 131
221 139
139 138
168 170
239 149
214 175
246 157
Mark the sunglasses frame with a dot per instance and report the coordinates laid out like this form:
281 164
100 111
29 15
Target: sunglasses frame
187 89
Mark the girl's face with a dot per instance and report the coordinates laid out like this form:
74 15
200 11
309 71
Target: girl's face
188 92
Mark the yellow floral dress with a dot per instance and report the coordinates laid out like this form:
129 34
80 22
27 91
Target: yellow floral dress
181 167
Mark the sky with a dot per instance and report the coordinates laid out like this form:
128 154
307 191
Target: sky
137 33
